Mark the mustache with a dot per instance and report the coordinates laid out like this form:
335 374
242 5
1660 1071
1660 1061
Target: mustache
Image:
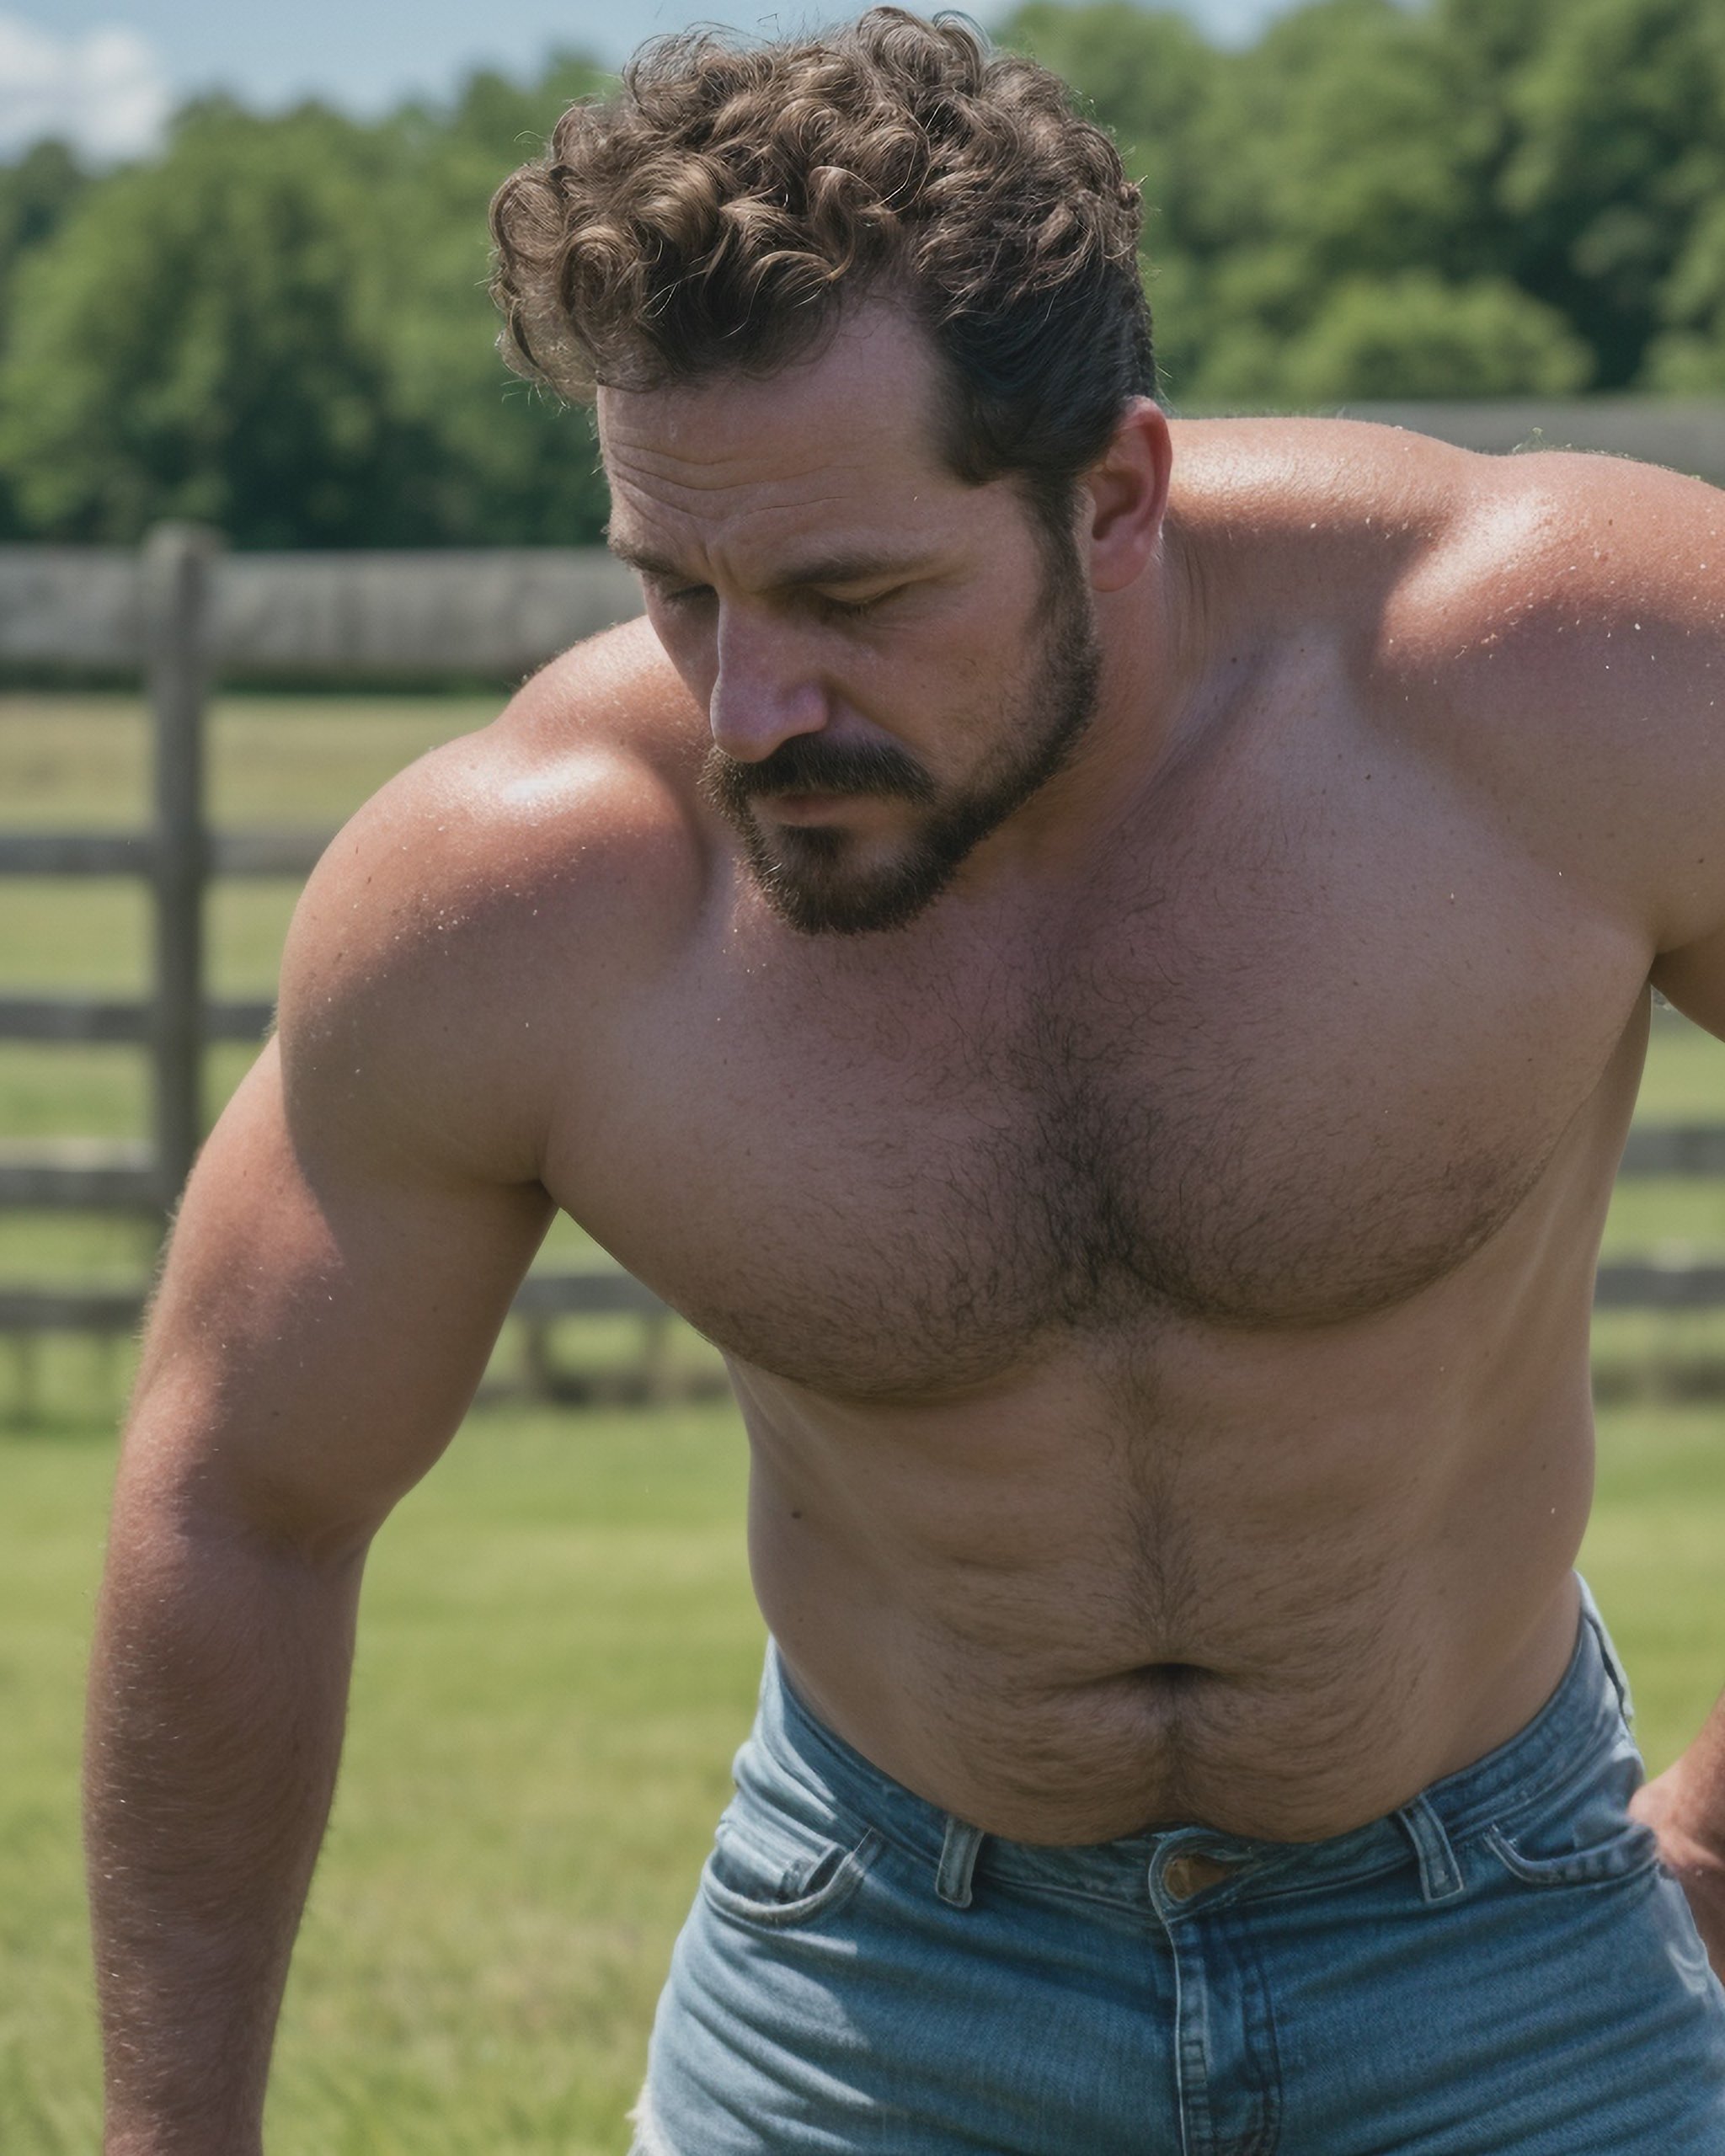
809 763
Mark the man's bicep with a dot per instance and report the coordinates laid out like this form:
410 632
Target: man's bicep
325 1316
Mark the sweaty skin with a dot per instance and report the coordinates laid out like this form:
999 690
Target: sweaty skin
1156 1280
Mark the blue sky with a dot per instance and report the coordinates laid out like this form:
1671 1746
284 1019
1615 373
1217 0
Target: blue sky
106 71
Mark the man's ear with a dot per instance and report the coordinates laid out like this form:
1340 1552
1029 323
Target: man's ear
1124 495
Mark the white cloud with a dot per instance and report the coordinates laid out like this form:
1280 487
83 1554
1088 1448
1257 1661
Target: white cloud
106 91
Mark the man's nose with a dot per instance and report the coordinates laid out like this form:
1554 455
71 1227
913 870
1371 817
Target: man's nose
765 690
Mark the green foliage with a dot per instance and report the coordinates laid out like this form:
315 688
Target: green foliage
281 328
1619 120
1459 198
199 343
1689 355
35 194
512 466
279 324
1409 334
1340 134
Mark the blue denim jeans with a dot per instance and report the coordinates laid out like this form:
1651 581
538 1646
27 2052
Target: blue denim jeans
1500 1968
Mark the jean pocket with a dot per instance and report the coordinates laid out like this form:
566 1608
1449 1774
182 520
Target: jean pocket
1633 1849
1582 1836
780 1871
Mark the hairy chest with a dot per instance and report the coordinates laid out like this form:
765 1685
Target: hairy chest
1289 1086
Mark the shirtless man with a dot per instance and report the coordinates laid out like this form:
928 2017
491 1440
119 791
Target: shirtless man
1106 966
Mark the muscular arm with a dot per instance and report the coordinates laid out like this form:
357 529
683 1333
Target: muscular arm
346 1251
1632 665
1569 650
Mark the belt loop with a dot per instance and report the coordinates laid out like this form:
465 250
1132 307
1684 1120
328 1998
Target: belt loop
957 1863
1440 1878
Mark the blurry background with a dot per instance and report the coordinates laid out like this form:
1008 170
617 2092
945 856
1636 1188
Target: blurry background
242 258
241 249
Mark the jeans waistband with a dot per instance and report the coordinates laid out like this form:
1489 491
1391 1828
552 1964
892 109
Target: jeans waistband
1586 1711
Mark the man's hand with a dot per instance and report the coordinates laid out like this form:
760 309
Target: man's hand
1692 1851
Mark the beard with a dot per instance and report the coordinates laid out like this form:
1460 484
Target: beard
812 878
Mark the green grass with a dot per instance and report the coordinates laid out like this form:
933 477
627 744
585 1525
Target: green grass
557 1656
1652 1555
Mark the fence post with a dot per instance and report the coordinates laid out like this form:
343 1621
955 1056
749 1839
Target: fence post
178 581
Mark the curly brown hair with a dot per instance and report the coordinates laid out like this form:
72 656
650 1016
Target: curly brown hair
722 208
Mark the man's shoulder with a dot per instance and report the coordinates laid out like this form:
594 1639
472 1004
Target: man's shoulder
1456 533
1551 597
1597 582
1544 633
575 809
1563 551
1559 644
488 907
618 692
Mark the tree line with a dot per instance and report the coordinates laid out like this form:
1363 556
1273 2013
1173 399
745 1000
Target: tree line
279 325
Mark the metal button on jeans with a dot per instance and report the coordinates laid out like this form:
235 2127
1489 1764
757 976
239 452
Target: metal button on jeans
1190 1873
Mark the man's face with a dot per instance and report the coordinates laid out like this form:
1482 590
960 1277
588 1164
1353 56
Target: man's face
892 662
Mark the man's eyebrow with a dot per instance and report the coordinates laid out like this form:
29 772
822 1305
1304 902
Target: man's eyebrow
822 568
850 569
639 558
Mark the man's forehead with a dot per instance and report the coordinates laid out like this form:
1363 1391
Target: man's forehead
832 502
725 436
866 395
674 453
818 509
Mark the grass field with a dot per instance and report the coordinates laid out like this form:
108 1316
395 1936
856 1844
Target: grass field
556 1659
558 1650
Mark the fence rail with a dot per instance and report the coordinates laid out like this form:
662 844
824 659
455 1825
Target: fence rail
78 1175
1686 434
97 1018
376 617
123 853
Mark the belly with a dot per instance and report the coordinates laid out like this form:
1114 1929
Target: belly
1280 1616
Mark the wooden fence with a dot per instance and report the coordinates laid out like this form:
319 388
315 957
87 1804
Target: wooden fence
183 611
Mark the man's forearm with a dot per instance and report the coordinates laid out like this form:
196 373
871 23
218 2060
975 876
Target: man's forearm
217 1698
